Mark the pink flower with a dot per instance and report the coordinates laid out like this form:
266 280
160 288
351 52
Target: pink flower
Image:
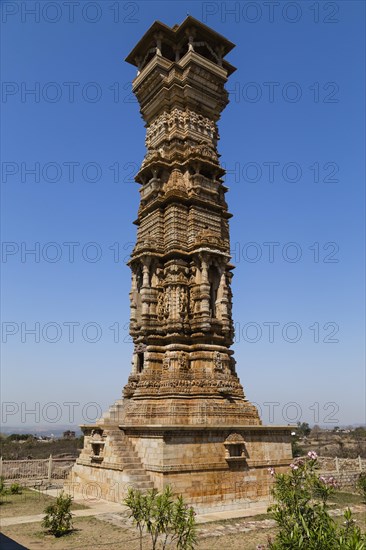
271 471
312 455
294 467
331 481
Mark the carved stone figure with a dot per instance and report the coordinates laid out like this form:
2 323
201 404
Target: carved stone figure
218 363
183 302
183 361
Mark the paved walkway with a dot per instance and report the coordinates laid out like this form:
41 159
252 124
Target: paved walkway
95 508
119 513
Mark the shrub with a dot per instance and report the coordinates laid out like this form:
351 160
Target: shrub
15 489
164 519
301 512
58 518
361 484
2 486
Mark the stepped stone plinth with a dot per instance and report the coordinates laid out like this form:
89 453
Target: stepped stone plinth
184 419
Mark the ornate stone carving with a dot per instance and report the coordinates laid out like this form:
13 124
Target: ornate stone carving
160 307
218 362
183 302
183 361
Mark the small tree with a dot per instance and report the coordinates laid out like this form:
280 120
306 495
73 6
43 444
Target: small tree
139 510
163 518
303 429
301 511
184 523
58 518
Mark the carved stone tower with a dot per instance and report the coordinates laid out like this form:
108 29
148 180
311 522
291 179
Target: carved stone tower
184 419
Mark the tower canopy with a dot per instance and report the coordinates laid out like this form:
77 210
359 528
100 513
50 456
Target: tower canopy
173 42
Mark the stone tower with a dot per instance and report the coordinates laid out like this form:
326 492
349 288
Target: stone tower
184 419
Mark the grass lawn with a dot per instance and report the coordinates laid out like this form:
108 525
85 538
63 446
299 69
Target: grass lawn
28 503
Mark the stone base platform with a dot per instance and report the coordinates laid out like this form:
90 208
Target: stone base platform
214 467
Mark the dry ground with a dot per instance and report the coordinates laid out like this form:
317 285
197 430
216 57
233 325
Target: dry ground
92 532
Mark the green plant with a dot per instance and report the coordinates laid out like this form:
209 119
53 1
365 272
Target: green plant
58 518
295 447
2 486
163 518
15 489
139 511
301 512
303 429
3 491
361 484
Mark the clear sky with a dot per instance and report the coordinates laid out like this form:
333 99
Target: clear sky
292 139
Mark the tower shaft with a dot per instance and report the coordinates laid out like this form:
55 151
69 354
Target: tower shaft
181 299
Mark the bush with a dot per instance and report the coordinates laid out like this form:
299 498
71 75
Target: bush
301 512
2 486
58 518
15 489
361 484
2 489
163 518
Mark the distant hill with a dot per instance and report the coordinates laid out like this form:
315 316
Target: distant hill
49 430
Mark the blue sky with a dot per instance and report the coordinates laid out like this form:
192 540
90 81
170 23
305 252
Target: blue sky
292 139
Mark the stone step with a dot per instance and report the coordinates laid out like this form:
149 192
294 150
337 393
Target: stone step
121 449
143 485
131 465
138 471
135 478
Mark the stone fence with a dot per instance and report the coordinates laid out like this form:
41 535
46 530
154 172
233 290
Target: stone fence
342 464
37 469
345 470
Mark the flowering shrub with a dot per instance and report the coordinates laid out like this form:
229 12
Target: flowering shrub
301 511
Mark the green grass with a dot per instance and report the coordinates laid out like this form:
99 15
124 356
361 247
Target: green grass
28 503
345 499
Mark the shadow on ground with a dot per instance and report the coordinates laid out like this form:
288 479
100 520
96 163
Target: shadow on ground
9 544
